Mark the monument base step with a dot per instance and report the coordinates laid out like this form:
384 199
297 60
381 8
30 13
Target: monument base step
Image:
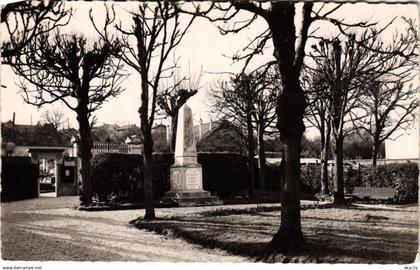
190 198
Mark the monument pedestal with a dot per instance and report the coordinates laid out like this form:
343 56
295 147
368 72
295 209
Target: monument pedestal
187 189
186 174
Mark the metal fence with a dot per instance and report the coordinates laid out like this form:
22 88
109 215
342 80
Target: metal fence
110 148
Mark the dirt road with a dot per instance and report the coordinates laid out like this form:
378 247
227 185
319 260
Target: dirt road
45 229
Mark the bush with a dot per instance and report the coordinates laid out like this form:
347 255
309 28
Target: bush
120 176
310 176
273 177
402 177
224 174
19 178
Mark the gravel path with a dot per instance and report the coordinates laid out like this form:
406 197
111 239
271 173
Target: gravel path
45 229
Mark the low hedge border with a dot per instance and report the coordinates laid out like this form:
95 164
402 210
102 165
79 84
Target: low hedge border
119 178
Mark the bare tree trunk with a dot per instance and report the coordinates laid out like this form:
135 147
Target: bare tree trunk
324 160
148 175
174 123
375 152
339 172
251 153
146 130
261 158
290 110
85 154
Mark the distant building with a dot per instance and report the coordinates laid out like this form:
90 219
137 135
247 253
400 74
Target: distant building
202 129
222 136
121 130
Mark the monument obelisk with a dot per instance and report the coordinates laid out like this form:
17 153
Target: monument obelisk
186 172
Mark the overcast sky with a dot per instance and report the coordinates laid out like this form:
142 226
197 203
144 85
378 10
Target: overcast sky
202 48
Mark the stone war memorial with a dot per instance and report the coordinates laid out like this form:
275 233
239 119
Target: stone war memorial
186 172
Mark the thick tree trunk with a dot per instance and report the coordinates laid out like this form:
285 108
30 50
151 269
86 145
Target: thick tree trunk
324 161
251 153
290 110
85 154
261 158
338 172
148 176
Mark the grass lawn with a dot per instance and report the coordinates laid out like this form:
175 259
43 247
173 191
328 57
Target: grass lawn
353 234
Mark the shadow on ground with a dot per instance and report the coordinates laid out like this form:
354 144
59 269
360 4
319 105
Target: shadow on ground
353 234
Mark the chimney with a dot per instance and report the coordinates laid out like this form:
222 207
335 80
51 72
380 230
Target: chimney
13 119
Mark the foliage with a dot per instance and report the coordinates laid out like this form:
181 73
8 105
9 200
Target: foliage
120 176
273 176
117 134
18 178
311 148
225 175
310 176
45 135
358 146
402 177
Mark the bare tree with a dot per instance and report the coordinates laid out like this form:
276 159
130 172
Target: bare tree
82 76
346 66
388 108
318 117
289 40
173 97
235 100
25 20
265 116
155 32
250 99
54 117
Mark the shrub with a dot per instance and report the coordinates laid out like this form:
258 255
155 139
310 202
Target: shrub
224 174
120 176
18 178
273 177
310 176
402 177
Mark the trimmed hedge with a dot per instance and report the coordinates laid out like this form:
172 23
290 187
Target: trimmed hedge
120 177
224 175
19 178
403 177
